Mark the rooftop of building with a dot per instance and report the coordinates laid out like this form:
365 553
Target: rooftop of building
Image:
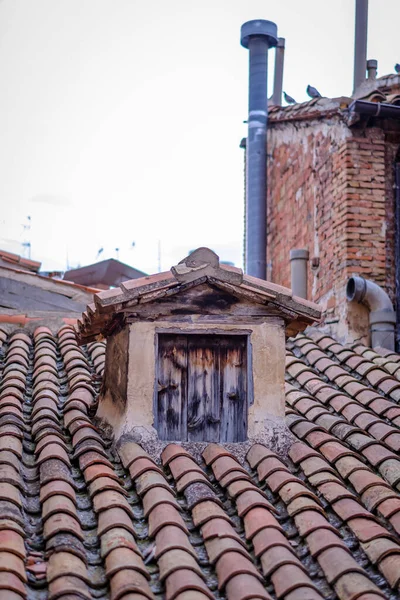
103 274
81 518
385 90
8 259
30 299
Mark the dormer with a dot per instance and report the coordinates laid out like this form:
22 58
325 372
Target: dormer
195 354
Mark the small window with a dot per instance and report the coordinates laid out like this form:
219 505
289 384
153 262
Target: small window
201 391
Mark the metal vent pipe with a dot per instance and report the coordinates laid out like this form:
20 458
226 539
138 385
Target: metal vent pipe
360 43
372 68
278 74
258 36
382 318
298 268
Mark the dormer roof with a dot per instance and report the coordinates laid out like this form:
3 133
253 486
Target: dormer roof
201 266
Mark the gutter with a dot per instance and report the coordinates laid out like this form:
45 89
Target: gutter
375 109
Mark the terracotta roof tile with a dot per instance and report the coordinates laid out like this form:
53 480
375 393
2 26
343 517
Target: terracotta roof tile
216 547
64 563
309 521
348 431
184 580
150 479
189 479
277 556
220 528
176 559
117 538
390 568
246 587
172 451
258 519
156 497
164 515
11 584
114 517
336 562
204 511
124 558
171 537
269 466
126 581
231 564
289 577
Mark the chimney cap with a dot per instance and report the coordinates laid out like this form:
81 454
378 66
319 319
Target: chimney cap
259 28
299 253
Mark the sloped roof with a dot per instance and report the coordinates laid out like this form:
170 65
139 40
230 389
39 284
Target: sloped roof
110 272
98 318
30 298
384 89
79 519
15 260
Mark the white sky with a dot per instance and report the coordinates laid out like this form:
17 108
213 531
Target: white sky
120 120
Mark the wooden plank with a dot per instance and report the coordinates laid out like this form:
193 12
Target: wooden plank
204 299
172 387
233 367
203 419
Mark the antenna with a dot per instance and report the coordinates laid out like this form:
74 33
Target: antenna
27 242
159 256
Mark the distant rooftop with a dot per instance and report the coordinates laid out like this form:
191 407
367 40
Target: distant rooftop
104 274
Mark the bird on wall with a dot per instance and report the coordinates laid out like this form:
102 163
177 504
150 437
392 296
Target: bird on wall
313 92
397 68
289 99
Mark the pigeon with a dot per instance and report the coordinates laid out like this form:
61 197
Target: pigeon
313 92
289 99
397 68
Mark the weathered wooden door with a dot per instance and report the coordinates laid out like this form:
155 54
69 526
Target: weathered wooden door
233 373
202 388
172 388
204 410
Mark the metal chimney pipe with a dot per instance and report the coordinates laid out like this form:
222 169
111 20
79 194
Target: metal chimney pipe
258 36
372 68
360 43
278 74
298 267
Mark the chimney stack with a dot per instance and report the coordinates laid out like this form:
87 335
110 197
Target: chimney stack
360 43
258 36
298 267
278 74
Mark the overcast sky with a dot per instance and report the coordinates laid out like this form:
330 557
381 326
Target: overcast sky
120 120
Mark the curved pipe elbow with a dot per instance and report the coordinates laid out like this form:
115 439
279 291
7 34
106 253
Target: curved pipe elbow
368 293
382 318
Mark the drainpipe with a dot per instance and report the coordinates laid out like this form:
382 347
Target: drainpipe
298 267
278 73
382 318
258 36
360 43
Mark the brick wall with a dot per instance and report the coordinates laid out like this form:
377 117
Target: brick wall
330 190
